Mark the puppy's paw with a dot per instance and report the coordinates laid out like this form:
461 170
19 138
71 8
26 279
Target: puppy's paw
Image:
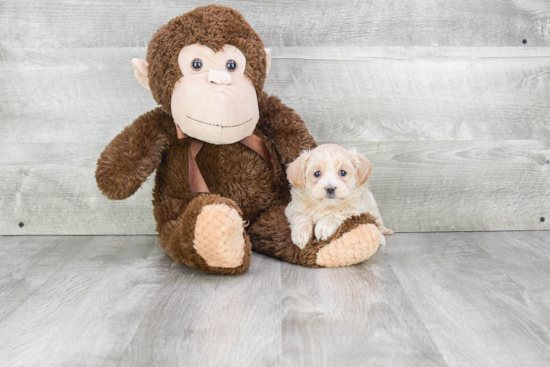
326 228
386 230
301 234
382 239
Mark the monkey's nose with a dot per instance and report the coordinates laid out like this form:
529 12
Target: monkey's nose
219 77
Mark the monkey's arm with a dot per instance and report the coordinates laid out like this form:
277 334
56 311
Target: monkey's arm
284 129
132 155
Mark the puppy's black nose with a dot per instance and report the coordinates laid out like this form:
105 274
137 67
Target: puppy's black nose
330 190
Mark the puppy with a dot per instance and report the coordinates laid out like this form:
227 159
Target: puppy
329 184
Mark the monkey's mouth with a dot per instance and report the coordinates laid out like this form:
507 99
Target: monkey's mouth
222 126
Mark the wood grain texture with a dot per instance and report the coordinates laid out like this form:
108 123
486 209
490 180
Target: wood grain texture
419 187
349 94
208 320
51 189
88 306
466 297
62 96
30 264
94 23
525 260
417 93
61 107
354 316
460 185
431 299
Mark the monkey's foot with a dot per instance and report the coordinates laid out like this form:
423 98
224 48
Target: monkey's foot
353 247
219 236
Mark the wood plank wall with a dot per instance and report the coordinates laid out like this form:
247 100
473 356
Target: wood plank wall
450 99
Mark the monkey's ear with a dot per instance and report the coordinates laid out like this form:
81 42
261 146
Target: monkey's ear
296 171
267 60
363 167
140 71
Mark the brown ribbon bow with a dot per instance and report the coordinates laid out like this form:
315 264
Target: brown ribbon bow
196 181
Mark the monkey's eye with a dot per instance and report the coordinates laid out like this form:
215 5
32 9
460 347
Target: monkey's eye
196 64
317 174
231 65
342 173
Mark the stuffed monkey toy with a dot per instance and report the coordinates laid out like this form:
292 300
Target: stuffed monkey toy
220 146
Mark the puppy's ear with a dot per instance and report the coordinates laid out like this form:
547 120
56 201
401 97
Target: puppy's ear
296 171
363 167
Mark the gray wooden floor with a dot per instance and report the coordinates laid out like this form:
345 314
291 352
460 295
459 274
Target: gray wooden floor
431 299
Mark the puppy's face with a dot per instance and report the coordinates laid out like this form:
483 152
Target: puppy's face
329 172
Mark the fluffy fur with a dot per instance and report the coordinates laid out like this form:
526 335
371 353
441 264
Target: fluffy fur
212 26
240 181
325 202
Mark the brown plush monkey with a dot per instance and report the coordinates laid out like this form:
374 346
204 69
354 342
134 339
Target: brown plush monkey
220 146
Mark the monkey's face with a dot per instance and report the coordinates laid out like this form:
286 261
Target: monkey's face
214 101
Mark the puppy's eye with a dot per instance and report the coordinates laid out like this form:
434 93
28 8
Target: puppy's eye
317 174
342 173
196 64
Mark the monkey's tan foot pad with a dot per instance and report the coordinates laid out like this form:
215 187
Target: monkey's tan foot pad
352 248
219 236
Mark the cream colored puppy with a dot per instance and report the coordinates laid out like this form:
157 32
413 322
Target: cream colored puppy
329 185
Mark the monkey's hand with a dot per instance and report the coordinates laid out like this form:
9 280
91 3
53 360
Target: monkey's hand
132 156
284 128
